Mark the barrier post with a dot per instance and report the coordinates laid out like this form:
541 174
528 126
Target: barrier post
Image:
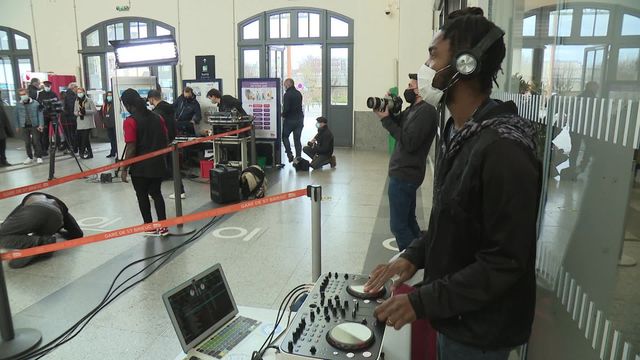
180 229
14 342
315 193
254 155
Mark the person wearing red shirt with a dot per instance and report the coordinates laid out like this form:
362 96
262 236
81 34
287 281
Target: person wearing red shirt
145 132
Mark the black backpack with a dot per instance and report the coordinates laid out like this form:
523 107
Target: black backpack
253 183
301 164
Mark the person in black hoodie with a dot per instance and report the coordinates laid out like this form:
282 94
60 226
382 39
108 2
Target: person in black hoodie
34 222
479 251
320 148
293 118
188 114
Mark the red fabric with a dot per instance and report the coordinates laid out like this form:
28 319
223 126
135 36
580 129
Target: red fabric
164 127
423 336
130 130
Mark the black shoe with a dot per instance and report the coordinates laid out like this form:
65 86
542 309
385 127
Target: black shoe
290 157
332 161
111 155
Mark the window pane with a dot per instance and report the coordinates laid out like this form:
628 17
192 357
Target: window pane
562 20
24 65
594 22
339 76
251 31
6 82
93 39
630 25
339 28
251 64
133 30
120 31
21 42
314 25
529 26
628 62
94 72
142 30
115 32
165 79
285 26
339 95
4 40
162 31
274 26
303 25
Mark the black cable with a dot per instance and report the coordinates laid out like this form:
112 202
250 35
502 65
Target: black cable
165 256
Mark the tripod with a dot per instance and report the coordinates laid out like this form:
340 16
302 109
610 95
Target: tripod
53 146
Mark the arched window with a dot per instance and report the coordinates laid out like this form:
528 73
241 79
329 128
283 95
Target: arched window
15 60
99 59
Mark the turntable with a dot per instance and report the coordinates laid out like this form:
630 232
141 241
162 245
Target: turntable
336 321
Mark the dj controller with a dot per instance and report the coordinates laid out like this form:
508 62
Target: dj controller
336 321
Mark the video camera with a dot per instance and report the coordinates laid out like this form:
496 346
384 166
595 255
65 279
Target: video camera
52 106
391 102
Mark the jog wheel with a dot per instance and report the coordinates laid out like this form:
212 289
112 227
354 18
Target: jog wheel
350 336
358 292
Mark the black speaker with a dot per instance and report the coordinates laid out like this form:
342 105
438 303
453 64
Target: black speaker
225 184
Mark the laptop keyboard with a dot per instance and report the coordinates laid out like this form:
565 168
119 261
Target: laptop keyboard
225 340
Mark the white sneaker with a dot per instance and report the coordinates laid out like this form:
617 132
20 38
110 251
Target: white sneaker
182 196
39 160
27 161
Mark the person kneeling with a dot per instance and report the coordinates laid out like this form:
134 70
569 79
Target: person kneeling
320 148
34 222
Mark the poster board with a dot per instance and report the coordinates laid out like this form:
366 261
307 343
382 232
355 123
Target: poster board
261 98
200 89
142 84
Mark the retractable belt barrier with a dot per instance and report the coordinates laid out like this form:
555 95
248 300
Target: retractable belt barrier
47 184
16 254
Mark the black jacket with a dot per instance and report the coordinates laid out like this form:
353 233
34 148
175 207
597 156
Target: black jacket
228 103
70 228
70 98
32 92
480 248
292 105
187 109
414 131
6 130
324 141
167 112
46 95
150 136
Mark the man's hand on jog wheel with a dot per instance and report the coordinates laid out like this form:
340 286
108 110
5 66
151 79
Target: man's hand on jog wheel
397 310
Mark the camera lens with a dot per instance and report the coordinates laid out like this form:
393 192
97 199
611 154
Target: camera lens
370 102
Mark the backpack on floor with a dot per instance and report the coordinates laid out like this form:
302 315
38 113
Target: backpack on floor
301 164
253 183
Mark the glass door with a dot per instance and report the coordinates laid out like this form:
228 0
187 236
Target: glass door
338 97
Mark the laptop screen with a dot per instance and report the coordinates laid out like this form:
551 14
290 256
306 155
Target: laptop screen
201 305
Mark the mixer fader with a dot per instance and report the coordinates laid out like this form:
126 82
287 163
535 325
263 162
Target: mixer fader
336 321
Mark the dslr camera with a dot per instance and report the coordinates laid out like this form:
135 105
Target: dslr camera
391 103
52 106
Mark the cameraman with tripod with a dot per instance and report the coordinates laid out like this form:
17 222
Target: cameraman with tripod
414 130
50 116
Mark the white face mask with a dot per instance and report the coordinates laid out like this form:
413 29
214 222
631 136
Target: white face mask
426 90
81 95
24 98
318 126
46 88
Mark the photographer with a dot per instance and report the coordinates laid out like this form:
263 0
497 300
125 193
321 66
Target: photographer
320 148
45 98
414 130
479 252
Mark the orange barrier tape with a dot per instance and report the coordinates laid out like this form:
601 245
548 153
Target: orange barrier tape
46 184
16 254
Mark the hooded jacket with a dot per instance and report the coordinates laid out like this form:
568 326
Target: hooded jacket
480 248
187 109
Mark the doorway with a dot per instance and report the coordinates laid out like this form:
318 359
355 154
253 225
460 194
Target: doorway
303 64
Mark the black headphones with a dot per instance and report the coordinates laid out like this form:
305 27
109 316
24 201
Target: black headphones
467 62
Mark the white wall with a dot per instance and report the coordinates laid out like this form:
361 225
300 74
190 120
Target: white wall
386 47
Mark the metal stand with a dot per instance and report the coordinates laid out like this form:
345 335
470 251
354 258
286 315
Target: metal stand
315 193
14 342
53 147
180 229
253 146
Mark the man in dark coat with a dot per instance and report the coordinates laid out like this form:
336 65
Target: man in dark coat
293 118
6 131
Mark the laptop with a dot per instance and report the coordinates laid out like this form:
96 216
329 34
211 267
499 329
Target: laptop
207 321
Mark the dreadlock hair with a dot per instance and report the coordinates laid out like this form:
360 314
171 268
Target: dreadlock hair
464 29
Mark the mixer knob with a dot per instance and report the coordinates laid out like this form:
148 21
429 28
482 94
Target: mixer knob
313 350
312 316
327 318
335 311
290 346
329 273
336 275
346 276
343 312
337 298
346 304
326 311
364 321
353 313
330 303
318 310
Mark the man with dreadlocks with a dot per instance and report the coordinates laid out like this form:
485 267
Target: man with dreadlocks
479 251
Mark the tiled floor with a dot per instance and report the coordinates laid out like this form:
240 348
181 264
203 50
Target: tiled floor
53 294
